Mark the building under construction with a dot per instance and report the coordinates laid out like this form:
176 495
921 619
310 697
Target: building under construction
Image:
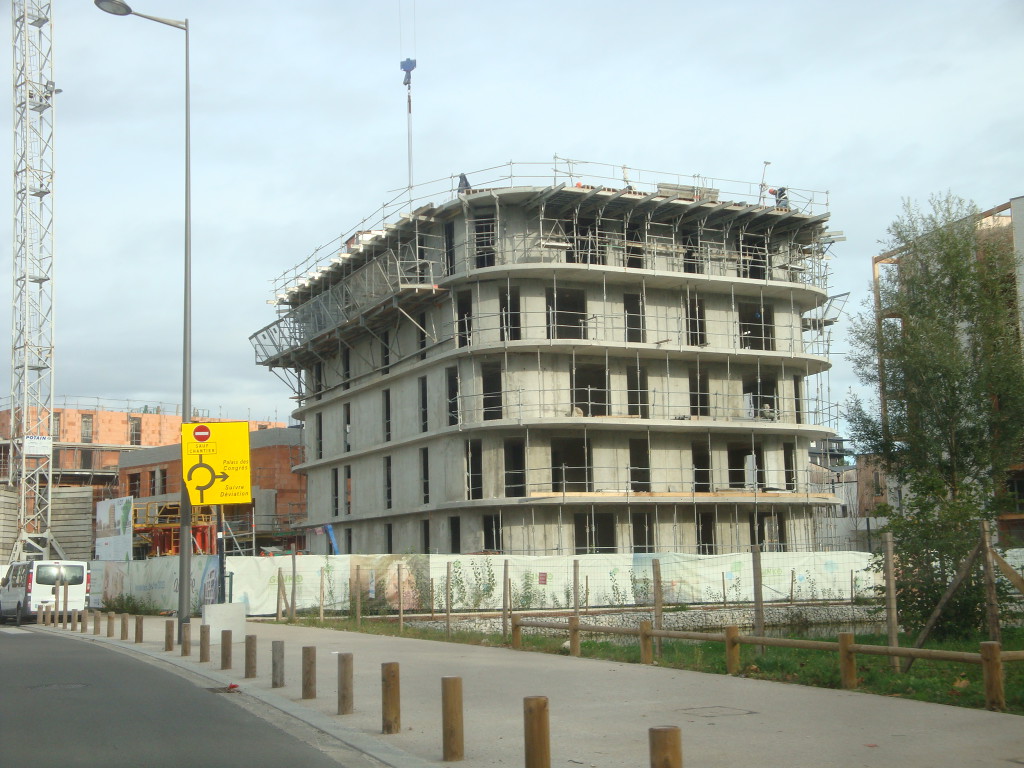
565 358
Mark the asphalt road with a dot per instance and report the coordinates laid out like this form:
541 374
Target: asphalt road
65 704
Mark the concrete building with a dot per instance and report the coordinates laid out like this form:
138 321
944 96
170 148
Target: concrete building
152 476
598 360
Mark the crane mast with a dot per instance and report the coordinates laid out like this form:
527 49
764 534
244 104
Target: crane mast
32 289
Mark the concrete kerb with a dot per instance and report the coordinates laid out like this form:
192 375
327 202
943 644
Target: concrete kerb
332 726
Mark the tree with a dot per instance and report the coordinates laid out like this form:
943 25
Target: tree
941 345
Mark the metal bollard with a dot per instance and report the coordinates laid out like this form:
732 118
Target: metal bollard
277 664
225 649
309 672
346 701
204 642
250 656
391 699
452 741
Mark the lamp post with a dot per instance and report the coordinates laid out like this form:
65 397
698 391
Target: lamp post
120 8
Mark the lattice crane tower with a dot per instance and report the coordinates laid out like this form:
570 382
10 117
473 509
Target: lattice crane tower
32 294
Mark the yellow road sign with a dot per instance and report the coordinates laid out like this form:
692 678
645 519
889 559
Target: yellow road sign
215 462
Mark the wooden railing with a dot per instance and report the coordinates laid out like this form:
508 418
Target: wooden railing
990 657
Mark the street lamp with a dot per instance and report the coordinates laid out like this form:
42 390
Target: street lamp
120 8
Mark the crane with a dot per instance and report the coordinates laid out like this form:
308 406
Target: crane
32 287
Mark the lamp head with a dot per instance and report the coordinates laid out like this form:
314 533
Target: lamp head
116 7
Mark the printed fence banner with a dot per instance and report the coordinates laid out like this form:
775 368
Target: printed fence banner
114 529
536 582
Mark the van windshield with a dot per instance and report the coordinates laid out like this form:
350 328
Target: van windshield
51 574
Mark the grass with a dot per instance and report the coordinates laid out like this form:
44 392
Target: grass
939 682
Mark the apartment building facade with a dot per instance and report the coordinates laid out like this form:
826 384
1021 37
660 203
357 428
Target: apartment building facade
565 366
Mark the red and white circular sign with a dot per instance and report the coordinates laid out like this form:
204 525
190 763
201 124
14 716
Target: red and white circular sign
201 433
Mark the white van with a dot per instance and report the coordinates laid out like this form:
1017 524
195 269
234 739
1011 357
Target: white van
30 585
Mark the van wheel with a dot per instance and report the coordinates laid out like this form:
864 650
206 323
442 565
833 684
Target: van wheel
17 616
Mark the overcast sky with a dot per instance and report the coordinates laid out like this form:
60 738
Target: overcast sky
299 131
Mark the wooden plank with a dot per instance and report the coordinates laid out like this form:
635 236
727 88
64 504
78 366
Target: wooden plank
1008 571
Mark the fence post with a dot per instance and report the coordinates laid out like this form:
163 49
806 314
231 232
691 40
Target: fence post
250 656
517 632
536 731
891 623
448 603
853 589
391 700
277 664
847 661
431 598
359 596
204 642
792 585
169 635
280 593
574 635
291 606
755 559
658 603
991 599
225 649
646 649
992 674
453 747
732 650
576 589
321 594
186 639
138 629
506 604
309 672
401 602
666 746
346 700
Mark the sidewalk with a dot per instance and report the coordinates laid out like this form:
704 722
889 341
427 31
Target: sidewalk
599 711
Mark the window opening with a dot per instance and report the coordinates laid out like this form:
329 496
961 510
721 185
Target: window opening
490 381
701 468
636 392
595 532
643 532
746 466
385 397
348 541
474 470
706 533
508 309
639 465
335 492
757 326
425 535
424 413
449 248
135 430
387 482
389 538
346 427
455 535
635 245
700 394
86 427
318 437
515 468
636 331
464 318
452 376
696 327
484 240
348 489
425 475
566 313
768 531
590 390
760 397
571 465
789 457
492 534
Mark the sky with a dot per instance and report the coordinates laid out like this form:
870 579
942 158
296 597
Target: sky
299 131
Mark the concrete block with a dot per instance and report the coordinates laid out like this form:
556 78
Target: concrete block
227 616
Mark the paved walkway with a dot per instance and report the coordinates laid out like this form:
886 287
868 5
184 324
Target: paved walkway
599 711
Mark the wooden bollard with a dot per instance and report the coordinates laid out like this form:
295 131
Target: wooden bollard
74 620
138 629
309 671
64 616
517 632
124 626
110 624
574 635
66 588
186 639
85 621
391 699
666 747
97 617
992 675
847 661
169 635
536 732
732 650
225 649
646 645
452 741
204 642
346 701
250 656
277 664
